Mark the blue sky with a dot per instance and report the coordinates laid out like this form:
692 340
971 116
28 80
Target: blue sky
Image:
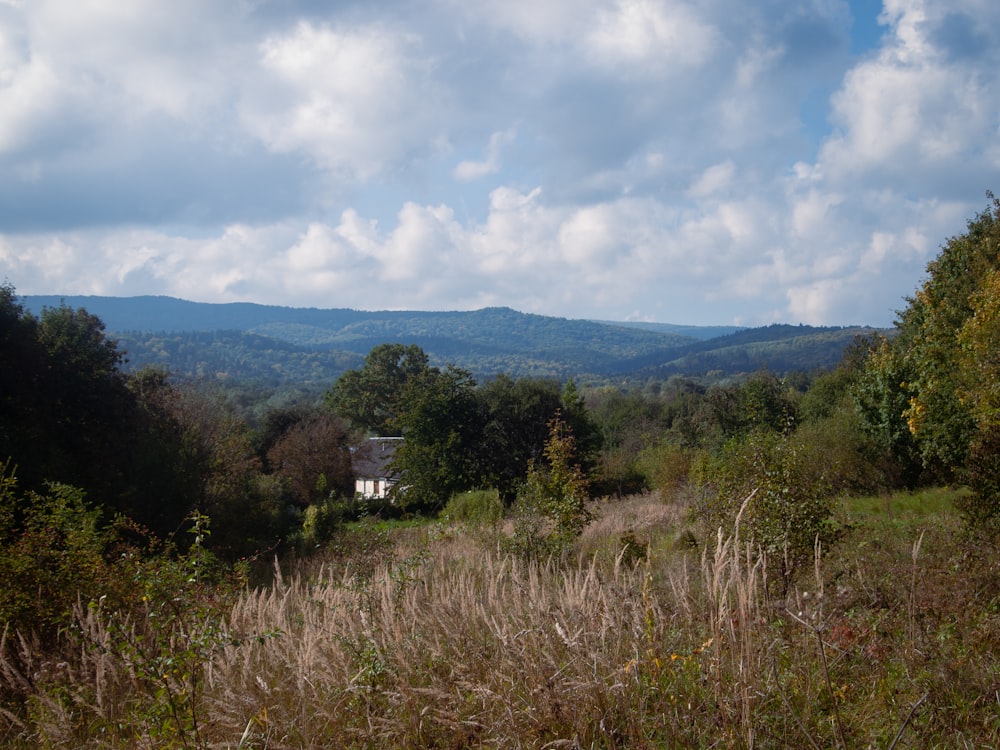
690 162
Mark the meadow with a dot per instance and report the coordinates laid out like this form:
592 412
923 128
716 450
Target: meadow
653 632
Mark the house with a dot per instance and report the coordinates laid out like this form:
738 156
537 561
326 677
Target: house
371 463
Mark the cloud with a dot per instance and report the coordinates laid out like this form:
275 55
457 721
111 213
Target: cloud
715 178
467 171
913 109
353 99
665 37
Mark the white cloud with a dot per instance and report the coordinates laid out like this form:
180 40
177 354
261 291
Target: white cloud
912 109
661 36
352 99
717 177
467 171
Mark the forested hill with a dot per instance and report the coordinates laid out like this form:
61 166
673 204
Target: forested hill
245 341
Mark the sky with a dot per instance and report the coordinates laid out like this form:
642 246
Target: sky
709 162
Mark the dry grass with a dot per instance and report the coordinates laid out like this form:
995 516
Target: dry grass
442 642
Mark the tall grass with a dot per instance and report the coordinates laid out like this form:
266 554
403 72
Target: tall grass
444 642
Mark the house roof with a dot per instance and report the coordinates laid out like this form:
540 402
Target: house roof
374 456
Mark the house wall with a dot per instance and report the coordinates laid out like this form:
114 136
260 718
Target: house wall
373 489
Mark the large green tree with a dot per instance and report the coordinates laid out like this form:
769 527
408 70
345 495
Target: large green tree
517 414
65 410
371 397
932 392
442 426
940 409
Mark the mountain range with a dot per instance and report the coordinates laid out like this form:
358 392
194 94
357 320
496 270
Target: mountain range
287 345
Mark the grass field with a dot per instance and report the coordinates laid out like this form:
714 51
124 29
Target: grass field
655 633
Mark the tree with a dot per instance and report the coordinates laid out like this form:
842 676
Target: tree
370 397
442 426
940 413
517 414
21 428
882 396
552 506
761 402
586 433
312 457
979 361
64 408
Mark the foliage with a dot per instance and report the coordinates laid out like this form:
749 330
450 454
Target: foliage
830 392
882 395
64 410
837 449
769 490
516 413
585 431
313 458
51 552
551 510
442 424
667 466
710 418
476 507
943 381
371 397
979 365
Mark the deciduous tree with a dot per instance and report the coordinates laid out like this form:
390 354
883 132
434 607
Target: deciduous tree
370 397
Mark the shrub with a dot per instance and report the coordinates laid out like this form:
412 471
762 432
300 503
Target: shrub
51 551
477 507
551 511
320 522
790 504
666 466
981 508
839 454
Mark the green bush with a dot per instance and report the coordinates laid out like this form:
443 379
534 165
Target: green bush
839 454
666 466
981 507
477 507
320 522
51 552
770 484
551 512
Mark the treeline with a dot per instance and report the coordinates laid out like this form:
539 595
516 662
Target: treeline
235 356
271 360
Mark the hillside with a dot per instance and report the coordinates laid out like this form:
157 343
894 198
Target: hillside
282 345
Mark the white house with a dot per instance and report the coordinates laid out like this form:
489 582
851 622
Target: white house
371 463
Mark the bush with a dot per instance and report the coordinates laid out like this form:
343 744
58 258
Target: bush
551 512
790 503
839 454
320 522
666 466
477 507
981 508
51 552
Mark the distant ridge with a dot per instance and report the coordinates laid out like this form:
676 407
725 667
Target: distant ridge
275 344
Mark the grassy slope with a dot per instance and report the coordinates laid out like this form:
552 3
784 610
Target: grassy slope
428 638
